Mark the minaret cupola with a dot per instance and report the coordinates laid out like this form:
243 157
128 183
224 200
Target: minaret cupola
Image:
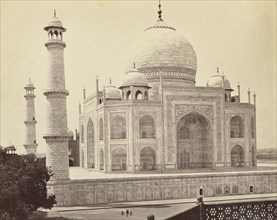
55 29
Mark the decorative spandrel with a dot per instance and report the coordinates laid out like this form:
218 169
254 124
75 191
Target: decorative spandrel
183 109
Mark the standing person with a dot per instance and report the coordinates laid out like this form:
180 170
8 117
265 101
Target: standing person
130 212
122 212
127 213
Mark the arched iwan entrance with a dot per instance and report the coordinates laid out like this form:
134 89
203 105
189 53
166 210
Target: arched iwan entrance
147 159
237 156
119 159
90 144
194 142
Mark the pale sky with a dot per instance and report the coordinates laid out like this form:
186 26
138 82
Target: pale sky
239 37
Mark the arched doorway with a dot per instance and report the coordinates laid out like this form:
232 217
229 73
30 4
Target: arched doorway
101 159
119 159
138 95
237 156
194 142
147 159
90 144
236 127
184 160
128 95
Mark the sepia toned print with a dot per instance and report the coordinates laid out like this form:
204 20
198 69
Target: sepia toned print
176 114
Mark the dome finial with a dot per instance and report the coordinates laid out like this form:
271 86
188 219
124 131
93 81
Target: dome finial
217 70
110 81
54 12
160 11
134 65
29 79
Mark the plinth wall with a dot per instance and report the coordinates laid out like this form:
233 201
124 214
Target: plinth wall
179 186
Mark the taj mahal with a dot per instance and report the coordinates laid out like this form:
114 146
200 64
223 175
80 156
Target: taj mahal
157 119
157 124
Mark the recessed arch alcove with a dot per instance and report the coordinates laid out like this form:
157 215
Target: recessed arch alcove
194 141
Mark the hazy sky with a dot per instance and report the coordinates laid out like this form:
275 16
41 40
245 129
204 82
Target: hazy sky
239 37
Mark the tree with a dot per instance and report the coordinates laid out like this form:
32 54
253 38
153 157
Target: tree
23 182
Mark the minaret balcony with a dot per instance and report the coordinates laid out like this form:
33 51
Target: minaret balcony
56 137
55 43
29 96
50 92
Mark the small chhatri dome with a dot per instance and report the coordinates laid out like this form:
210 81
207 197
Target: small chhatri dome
29 85
55 23
111 92
219 80
134 78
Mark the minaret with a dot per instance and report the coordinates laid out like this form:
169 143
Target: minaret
30 120
56 116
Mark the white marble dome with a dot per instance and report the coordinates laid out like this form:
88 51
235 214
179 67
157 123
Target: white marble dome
161 49
111 92
134 78
217 81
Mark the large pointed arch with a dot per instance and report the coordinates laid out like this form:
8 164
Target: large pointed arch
194 141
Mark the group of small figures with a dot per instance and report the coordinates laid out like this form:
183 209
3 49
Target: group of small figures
126 212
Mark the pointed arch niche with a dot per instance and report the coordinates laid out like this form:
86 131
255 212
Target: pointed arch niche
194 141
90 144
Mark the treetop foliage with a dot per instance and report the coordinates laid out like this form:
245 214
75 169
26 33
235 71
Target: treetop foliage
23 180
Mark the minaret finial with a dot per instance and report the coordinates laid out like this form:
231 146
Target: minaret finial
160 11
217 70
54 12
29 79
134 65
110 81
